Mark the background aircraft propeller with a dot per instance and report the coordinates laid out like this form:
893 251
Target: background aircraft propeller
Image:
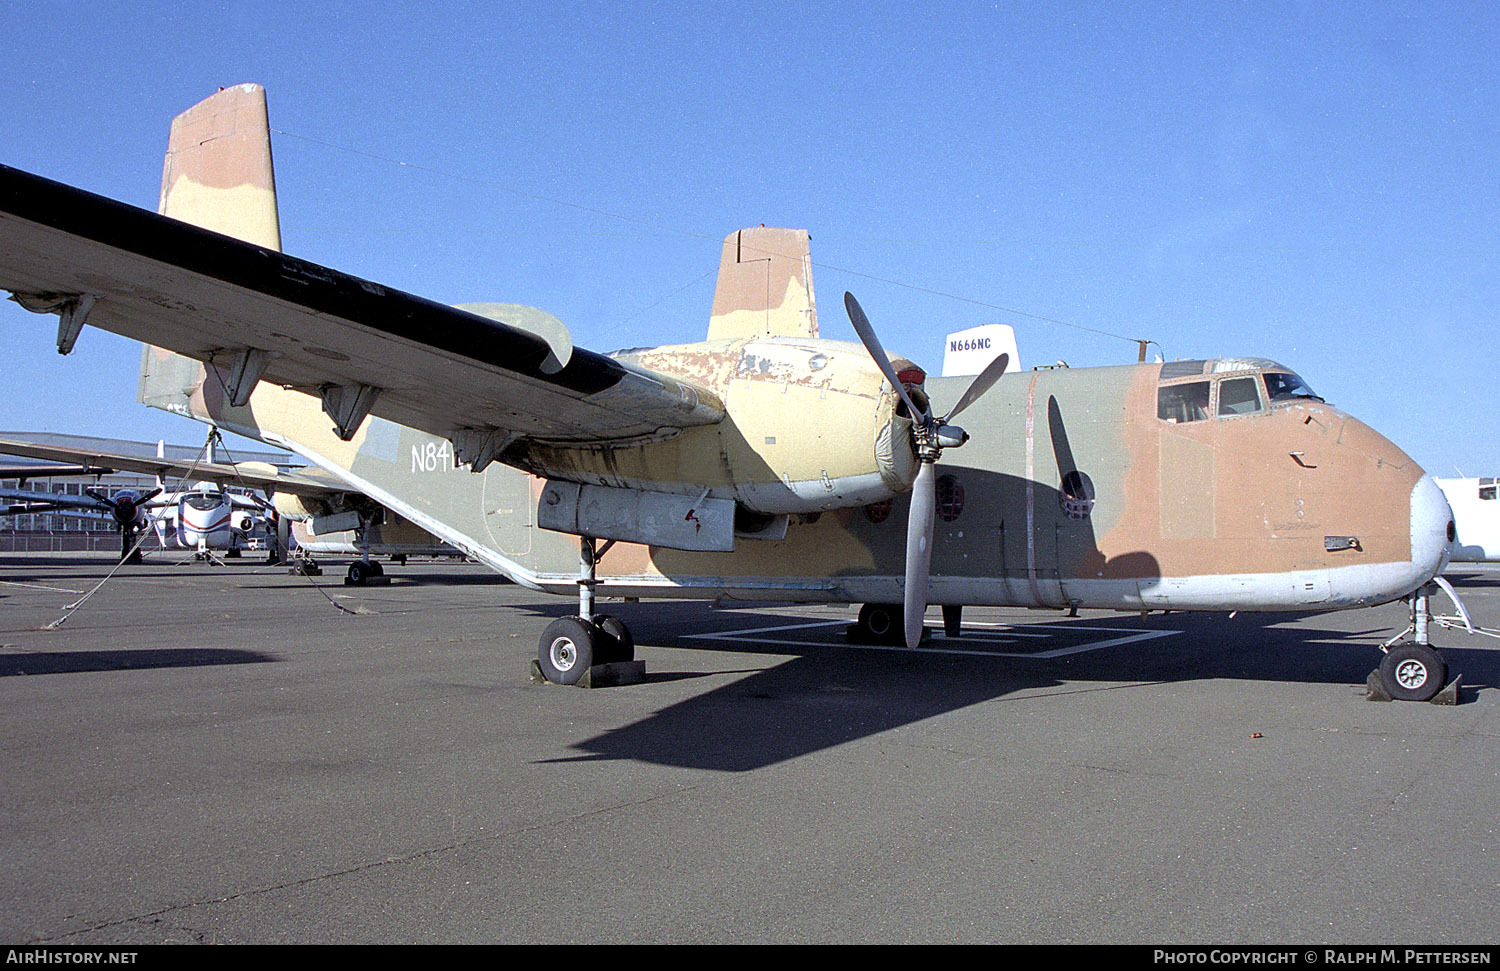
931 435
125 506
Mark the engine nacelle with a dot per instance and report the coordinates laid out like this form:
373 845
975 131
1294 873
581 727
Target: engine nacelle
297 508
810 426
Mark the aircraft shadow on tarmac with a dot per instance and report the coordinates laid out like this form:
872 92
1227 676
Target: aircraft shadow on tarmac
1463 580
78 662
826 696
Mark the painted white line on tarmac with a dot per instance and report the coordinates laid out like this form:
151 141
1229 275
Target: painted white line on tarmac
941 644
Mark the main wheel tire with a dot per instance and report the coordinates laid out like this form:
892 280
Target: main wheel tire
620 644
1413 672
359 573
567 650
883 623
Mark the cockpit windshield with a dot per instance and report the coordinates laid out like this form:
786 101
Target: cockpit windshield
1191 391
1284 386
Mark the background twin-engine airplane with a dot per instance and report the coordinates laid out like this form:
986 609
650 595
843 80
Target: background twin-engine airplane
206 518
310 511
765 462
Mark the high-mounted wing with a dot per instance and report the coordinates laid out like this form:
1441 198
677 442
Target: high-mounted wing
313 483
366 349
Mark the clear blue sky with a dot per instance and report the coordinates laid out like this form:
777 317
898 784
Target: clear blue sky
1313 183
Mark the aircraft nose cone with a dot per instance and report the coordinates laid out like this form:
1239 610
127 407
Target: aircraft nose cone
1431 528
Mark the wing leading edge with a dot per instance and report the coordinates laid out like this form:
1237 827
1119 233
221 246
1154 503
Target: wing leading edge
365 348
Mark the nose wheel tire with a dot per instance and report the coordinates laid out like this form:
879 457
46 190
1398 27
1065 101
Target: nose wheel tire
1413 672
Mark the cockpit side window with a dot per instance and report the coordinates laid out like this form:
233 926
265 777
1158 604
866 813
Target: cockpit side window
1487 488
1238 396
1182 402
1283 386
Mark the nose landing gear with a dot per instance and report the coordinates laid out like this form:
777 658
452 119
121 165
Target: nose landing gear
1412 670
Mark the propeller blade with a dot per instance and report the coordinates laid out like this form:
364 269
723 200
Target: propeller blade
919 550
983 383
148 496
882 360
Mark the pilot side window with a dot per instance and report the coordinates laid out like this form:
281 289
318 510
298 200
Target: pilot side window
1182 402
1238 396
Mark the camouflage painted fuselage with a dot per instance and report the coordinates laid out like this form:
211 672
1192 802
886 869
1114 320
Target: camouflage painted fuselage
1189 485
1073 491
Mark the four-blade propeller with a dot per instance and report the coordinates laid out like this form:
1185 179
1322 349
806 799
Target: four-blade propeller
930 435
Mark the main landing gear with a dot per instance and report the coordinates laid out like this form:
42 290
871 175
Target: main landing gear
1412 670
365 571
362 572
589 650
885 624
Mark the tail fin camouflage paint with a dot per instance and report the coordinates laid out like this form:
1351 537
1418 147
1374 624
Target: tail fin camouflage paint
218 174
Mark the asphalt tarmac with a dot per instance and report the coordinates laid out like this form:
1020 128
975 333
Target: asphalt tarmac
231 754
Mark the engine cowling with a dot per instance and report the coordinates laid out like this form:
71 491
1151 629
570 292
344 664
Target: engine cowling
296 507
810 426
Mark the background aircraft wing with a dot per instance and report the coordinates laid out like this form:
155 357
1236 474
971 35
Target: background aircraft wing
27 501
366 348
36 471
257 475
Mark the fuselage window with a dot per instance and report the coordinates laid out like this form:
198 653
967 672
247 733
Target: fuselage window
1487 488
1238 396
1182 402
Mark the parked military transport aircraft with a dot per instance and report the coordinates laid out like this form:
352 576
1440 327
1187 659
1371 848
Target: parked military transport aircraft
763 463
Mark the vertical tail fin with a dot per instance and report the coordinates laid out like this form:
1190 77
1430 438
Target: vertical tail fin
218 171
217 175
765 286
